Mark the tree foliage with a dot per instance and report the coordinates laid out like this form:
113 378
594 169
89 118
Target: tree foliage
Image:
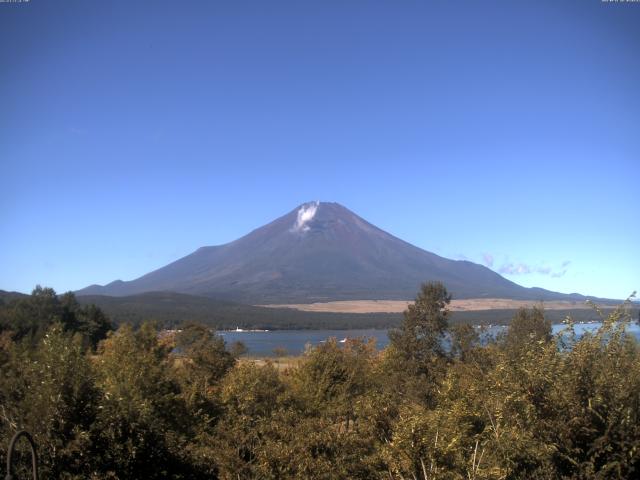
436 404
30 317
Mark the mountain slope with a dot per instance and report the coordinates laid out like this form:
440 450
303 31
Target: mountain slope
319 252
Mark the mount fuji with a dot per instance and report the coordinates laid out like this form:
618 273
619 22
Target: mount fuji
320 252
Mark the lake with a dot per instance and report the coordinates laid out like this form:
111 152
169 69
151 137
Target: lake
262 344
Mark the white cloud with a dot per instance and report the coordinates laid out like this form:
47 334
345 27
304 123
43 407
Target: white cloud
563 270
515 269
488 259
524 269
305 215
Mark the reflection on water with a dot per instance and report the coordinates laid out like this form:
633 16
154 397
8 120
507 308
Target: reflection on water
261 344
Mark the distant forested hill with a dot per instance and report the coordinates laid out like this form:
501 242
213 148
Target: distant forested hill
172 309
5 296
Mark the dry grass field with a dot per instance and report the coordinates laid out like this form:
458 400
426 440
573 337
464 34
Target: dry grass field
280 363
398 306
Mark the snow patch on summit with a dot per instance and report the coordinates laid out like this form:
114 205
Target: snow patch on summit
305 215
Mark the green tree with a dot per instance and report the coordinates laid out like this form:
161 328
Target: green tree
331 378
464 341
200 364
250 395
49 391
30 317
425 324
142 416
416 356
528 327
206 359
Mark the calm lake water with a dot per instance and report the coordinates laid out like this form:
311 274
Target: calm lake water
262 344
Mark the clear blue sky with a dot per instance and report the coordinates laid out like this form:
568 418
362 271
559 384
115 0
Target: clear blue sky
504 132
